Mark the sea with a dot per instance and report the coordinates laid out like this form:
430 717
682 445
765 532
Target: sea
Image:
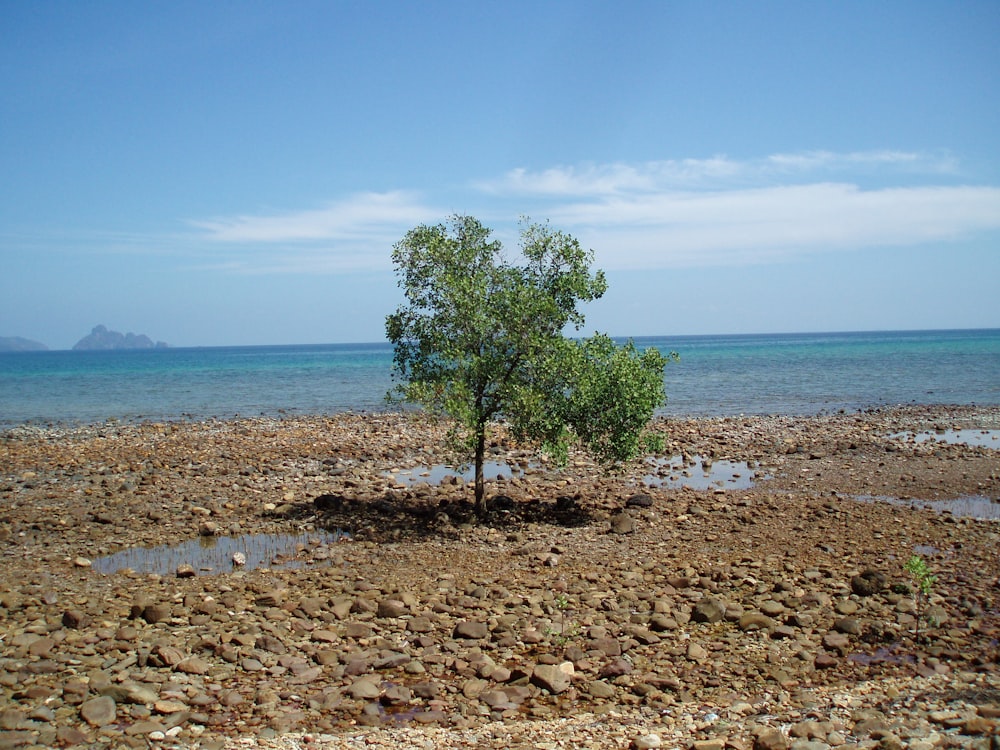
750 374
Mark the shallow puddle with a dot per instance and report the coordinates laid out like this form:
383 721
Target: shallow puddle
211 555
975 438
673 472
435 475
971 506
883 656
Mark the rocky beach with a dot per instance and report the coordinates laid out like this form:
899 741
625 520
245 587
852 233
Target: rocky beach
747 589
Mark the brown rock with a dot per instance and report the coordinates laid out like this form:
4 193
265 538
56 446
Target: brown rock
472 630
770 739
552 677
391 608
99 712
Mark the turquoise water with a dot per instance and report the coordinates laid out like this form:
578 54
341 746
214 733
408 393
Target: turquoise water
718 375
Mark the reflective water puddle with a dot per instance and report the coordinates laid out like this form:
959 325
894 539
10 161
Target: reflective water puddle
212 555
435 475
975 438
671 472
699 474
971 506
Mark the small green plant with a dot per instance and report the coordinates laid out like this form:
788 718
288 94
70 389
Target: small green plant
924 582
561 635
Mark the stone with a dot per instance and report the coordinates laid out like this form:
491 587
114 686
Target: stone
391 608
11 718
755 621
708 610
130 692
74 619
640 500
193 665
154 613
646 742
696 652
364 688
848 626
769 739
99 712
601 689
868 583
622 523
471 630
552 677
321 635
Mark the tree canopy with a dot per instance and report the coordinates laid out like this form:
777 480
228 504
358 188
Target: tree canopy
481 339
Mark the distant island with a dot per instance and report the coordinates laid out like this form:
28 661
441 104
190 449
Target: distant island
18 344
102 339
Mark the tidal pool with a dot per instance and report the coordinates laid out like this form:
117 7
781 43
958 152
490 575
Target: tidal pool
212 555
435 475
975 438
970 506
670 472
698 474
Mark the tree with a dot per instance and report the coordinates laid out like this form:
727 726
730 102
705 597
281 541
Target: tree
480 339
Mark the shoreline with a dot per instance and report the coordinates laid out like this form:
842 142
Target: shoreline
646 610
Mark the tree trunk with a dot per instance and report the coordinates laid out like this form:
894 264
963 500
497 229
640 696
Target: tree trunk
480 482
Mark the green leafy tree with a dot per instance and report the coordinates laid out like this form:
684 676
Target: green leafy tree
480 339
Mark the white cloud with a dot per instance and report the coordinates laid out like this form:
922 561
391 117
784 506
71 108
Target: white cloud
758 225
355 217
657 214
717 172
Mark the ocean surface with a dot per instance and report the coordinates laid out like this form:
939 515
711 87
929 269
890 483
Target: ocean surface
793 374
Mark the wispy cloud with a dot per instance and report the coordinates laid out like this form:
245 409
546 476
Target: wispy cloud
716 172
657 214
354 217
762 225
720 211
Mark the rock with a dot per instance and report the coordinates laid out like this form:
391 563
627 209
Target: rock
708 610
193 665
601 689
696 652
622 523
755 621
616 668
868 583
825 661
641 500
646 742
99 712
848 626
836 642
769 739
391 608
554 678
364 688
74 619
11 718
154 613
471 630
130 692
185 570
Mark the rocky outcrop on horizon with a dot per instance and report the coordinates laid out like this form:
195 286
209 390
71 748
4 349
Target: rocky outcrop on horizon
100 338
18 344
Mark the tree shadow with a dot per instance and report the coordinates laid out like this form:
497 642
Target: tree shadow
393 518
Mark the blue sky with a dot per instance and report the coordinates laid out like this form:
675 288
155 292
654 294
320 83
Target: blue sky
237 172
